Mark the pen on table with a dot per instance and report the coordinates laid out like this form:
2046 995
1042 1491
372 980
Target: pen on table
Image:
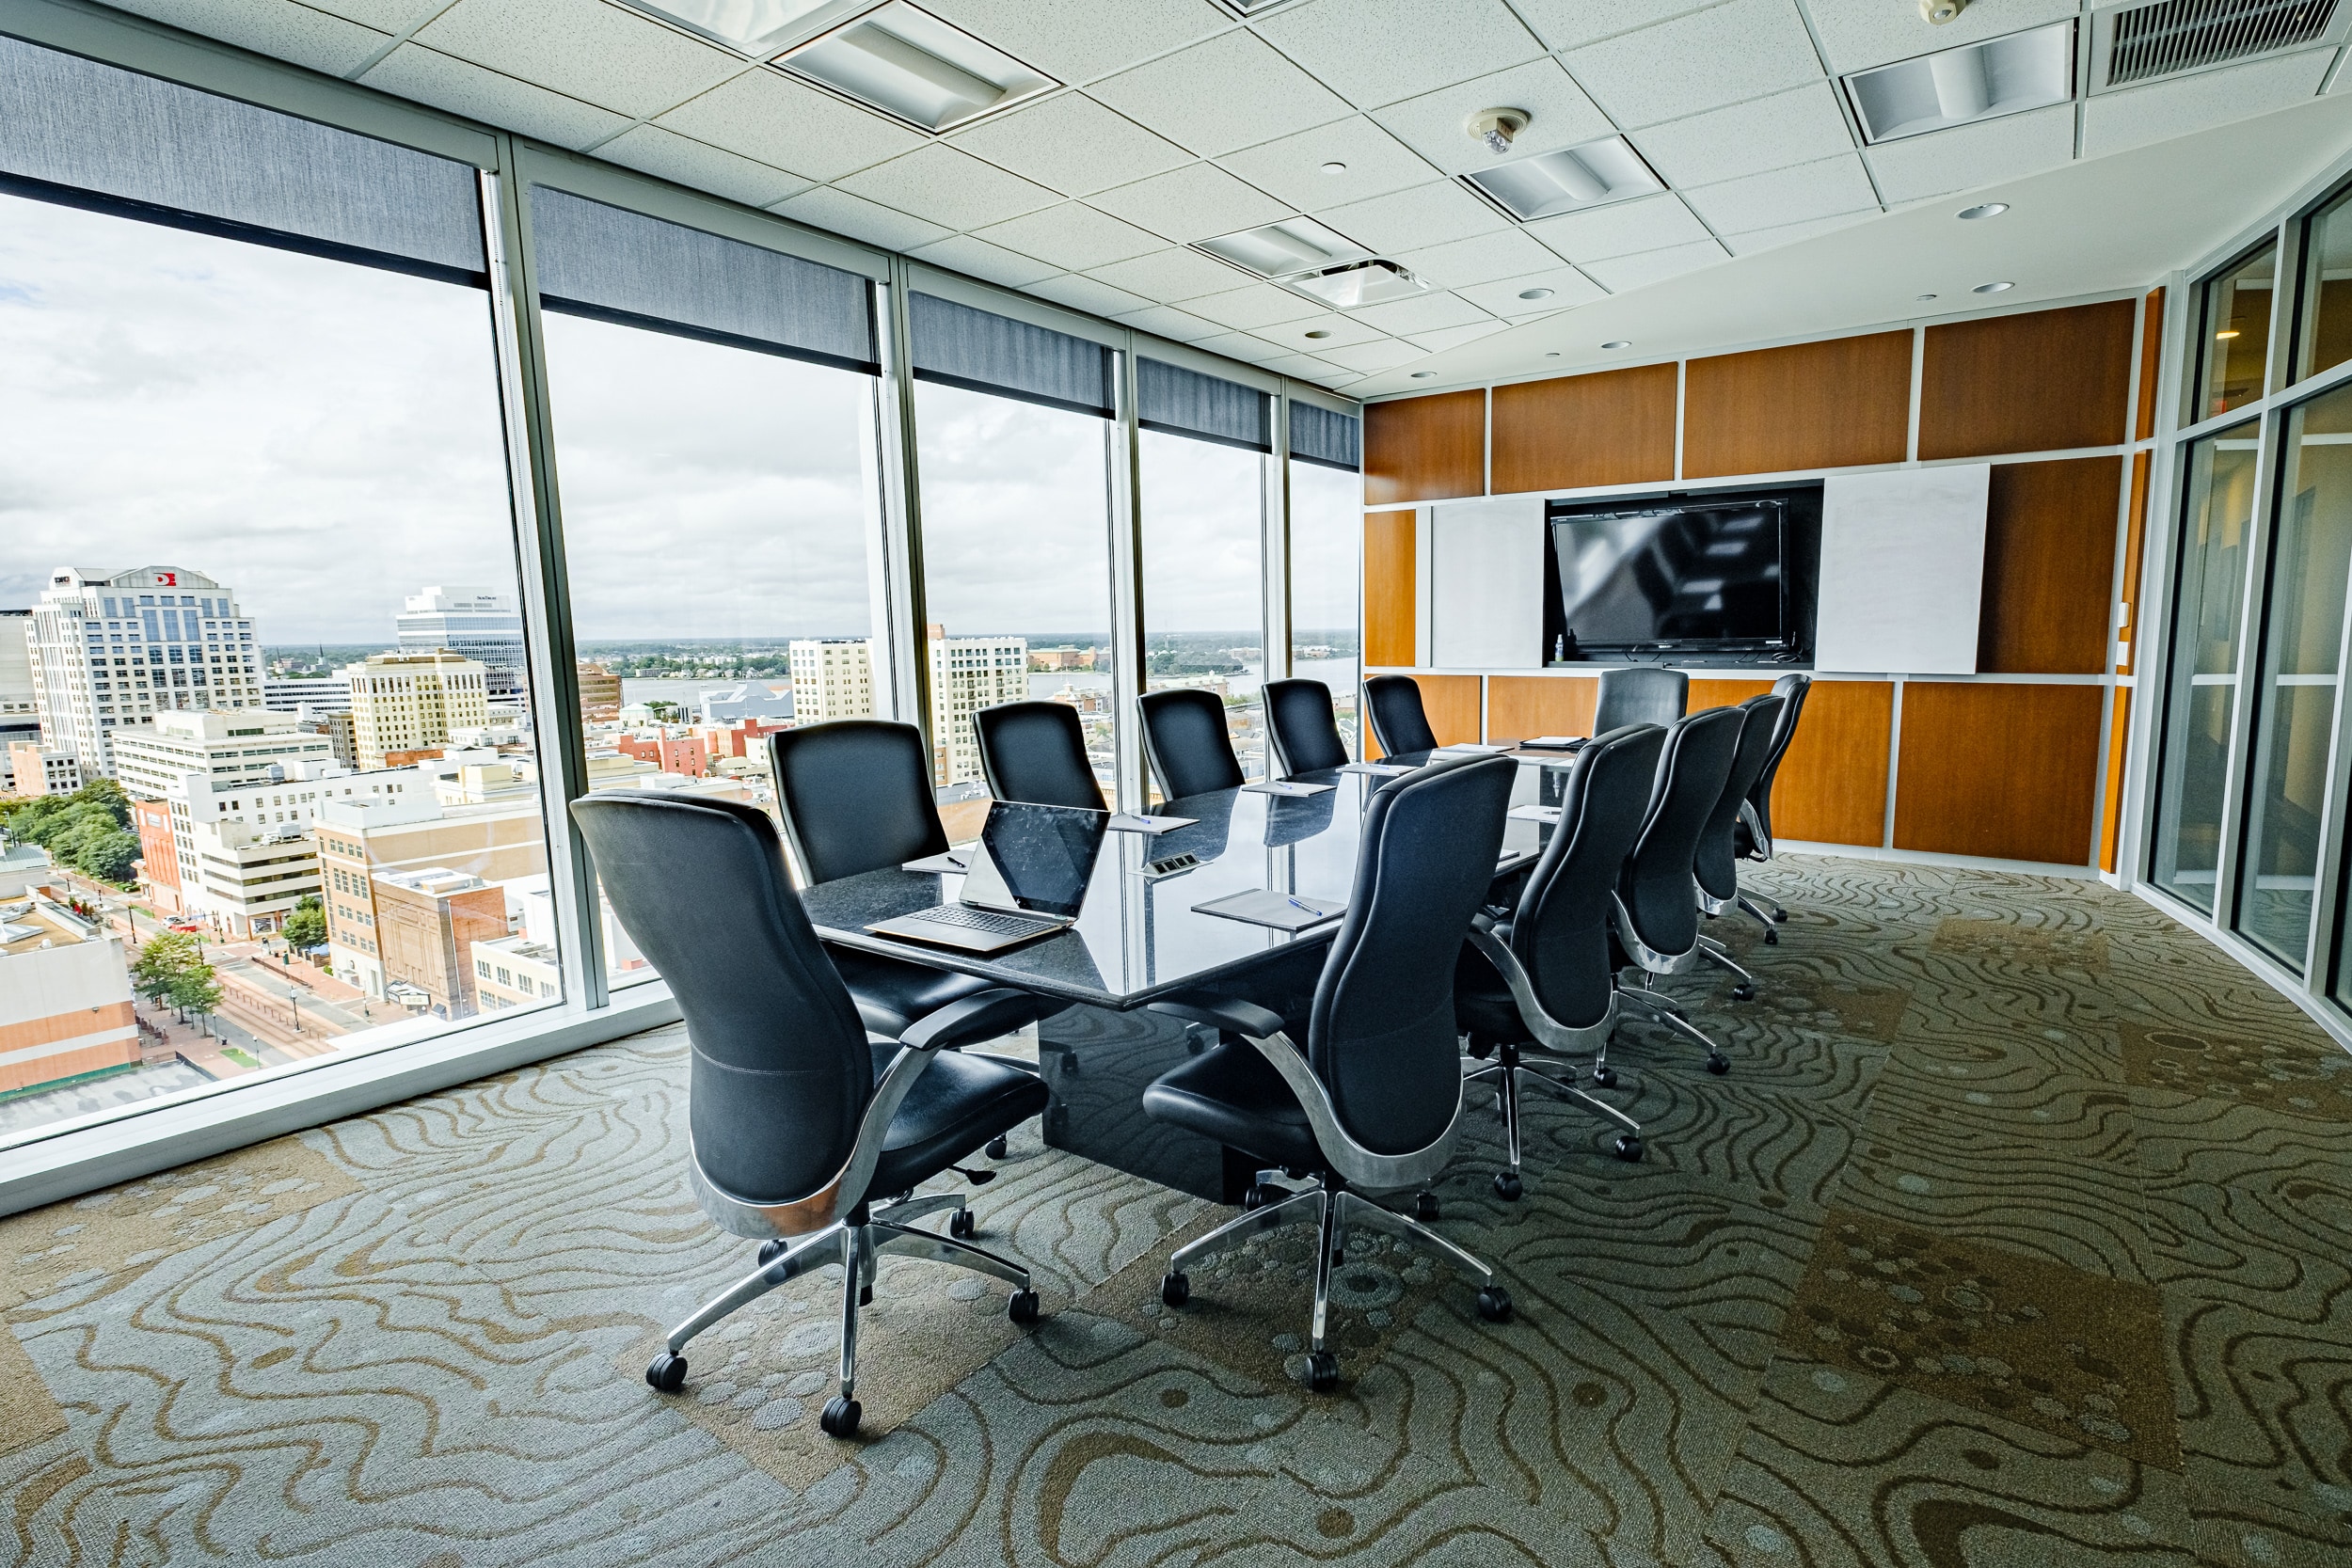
1297 905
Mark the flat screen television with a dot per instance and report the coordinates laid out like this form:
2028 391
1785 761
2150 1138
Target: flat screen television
1683 573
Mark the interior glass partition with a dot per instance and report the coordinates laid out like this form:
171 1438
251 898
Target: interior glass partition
1326 537
2326 331
2234 355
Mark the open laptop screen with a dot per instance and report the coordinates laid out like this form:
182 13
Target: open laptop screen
1036 858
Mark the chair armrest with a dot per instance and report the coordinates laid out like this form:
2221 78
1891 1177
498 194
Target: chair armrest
980 1017
1228 1013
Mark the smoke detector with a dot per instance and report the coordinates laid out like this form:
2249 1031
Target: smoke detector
1496 128
1938 12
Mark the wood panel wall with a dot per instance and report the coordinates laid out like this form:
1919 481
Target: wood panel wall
1831 405
1451 703
1425 449
2135 543
2150 351
1616 427
2038 381
1519 707
1391 590
1832 786
2111 806
2049 560
2004 770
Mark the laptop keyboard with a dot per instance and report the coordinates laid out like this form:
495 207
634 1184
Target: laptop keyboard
985 920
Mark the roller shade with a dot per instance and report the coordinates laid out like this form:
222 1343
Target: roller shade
987 353
1319 436
1185 402
94 135
593 260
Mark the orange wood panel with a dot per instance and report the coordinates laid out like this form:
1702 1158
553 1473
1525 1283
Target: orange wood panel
2135 541
1832 786
1723 694
2111 812
1389 589
1616 427
1828 405
2151 346
2039 381
1425 449
2010 772
1519 707
1451 704
2049 560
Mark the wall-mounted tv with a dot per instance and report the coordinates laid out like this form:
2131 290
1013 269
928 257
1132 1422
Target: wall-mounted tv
1722 573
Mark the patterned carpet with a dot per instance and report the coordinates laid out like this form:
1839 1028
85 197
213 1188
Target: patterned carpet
2021 1233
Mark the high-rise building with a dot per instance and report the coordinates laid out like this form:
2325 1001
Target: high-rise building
65 997
969 673
833 677
112 650
20 712
479 623
314 695
228 754
410 701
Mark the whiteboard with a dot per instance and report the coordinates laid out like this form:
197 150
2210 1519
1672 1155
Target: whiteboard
1902 571
1487 584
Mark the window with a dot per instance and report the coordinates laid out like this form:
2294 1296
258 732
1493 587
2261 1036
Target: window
2327 328
2235 352
1327 550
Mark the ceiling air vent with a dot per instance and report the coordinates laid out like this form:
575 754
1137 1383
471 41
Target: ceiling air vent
2131 44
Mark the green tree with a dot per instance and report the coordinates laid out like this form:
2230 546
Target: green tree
306 928
194 991
167 965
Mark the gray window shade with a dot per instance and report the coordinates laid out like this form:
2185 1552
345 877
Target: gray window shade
1319 436
90 134
1185 402
618 265
987 353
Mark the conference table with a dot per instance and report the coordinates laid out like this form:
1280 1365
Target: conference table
1138 939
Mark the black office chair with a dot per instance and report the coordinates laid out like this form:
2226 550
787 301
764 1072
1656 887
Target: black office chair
1540 980
1302 728
1642 695
1037 752
1398 721
1752 835
804 1134
1715 869
1374 1102
1185 739
1654 919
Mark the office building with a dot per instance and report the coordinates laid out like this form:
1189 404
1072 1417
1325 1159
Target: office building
748 700
426 924
409 702
969 673
241 880
513 972
833 677
20 712
38 769
311 696
65 997
480 623
110 650
599 692
159 854
228 754
363 843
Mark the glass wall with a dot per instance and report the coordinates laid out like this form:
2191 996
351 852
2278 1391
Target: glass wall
2325 335
1327 510
2235 352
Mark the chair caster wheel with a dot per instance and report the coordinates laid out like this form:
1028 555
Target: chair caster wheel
963 1225
841 1417
1425 1206
1743 992
866 1295
1022 1307
996 1149
666 1372
771 1251
1605 1077
1627 1148
1494 1304
1507 1186
1323 1371
1780 917
1718 1064
1175 1290
1254 1195
1771 938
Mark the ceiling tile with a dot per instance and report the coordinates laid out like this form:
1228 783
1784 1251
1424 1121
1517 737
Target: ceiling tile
1072 143
1339 331
1479 261
1168 275
1168 321
584 49
1568 288
841 213
1085 294
1196 202
1859 33
391 16
1621 273
768 116
1292 169
1565 24
1306 367
1231 92
333 44
1406 220
1620 228
1073 236
1253 306
1742 49
1076 41
1373 52
1793 127
2162 110
1370 359
1425 314
950 187
1239 345
1968 156
1789 233
978 259
1559 114
1815 190
1454 337
465 89
705 167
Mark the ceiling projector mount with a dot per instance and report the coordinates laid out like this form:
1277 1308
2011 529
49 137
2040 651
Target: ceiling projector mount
1496 128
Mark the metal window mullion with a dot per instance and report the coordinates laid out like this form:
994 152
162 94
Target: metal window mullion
1126 563
2286 286
900 632
1275 554
2237 778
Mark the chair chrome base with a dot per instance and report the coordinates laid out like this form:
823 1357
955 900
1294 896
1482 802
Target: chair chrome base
1717 954
1665 1010
1331 1208
858 1245
1509 1070
1769 921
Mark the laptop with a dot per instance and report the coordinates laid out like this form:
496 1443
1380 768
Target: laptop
1028 877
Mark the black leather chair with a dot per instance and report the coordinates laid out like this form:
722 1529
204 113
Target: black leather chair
1375 1100
1185 739
1752 836
1654 918
1715 869
1539 980
1302 728
1398 721
806 1135
1640 695
1037 752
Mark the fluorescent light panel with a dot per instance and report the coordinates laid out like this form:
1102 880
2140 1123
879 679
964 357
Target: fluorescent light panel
757 27
1958 87
1567 181
1279 249
911 65
1373 282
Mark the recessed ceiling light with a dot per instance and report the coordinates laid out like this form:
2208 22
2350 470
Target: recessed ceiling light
1551 353
1567 181
1320 332
909 64
1993 287
1534 293
1335 166
1279 249
1618 343
1424 376
1959 87
1984 210
1344 288
757 27
1927 297
2231 333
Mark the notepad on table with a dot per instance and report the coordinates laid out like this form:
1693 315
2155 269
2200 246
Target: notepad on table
1284 912
1128 822
1378 770
1287 787
952 863
1553 742
1547 815
1471 747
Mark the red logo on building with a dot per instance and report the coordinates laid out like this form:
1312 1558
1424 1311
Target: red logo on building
167 579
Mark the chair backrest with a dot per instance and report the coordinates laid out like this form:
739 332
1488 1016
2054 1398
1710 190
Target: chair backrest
1640 695
779 1073
1560 931
855 795
1398 721
1717 863
1655 884
1302 728
1791 690
1037 752
1381 1035
1185 737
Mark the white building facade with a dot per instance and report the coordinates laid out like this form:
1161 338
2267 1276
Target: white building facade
481 624
112 650
411 701
969 673
833 677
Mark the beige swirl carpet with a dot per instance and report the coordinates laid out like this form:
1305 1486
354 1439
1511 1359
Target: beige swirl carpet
2021 1234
